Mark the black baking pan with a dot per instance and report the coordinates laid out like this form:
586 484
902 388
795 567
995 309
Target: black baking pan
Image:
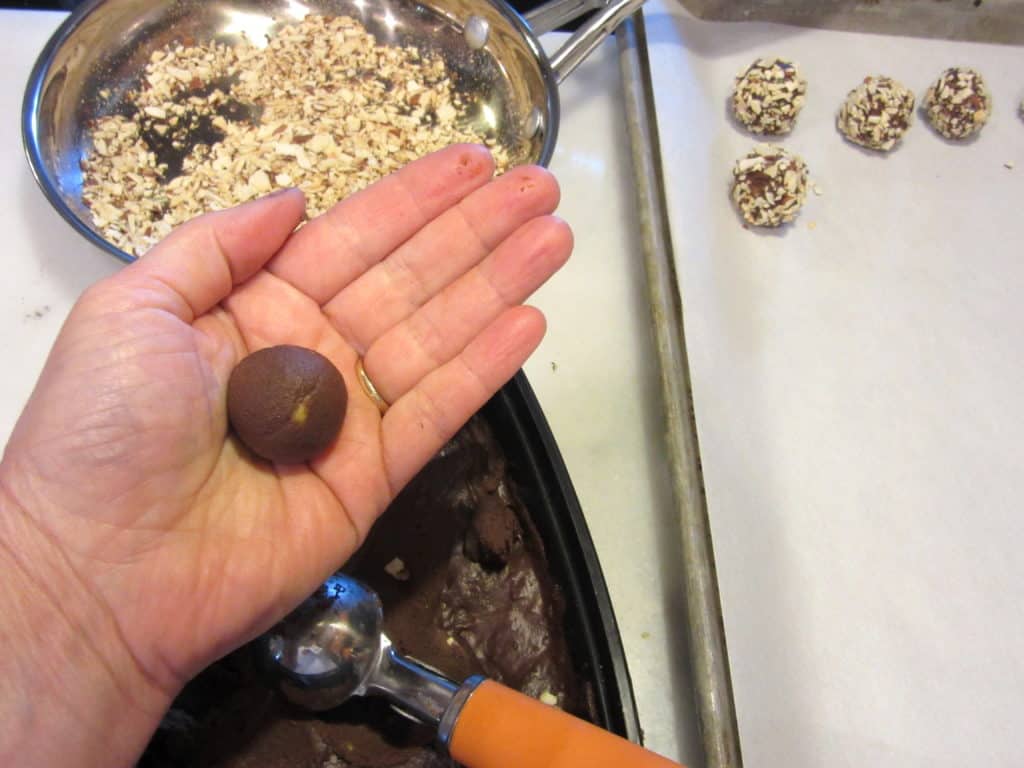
543 483
540 621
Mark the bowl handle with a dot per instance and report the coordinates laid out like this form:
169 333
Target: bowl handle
551 15
585 39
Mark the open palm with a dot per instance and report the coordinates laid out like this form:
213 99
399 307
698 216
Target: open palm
122 462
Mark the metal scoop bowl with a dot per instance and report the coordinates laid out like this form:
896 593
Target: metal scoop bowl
332 648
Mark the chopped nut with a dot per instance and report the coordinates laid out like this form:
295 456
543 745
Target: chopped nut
396 569
260 181
547 697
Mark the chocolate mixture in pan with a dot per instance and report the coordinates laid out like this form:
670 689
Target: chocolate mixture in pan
470 594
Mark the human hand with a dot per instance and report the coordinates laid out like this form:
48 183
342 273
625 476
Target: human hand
121 483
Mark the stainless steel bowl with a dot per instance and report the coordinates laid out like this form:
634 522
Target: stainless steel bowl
97 55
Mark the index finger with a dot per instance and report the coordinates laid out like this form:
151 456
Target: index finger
335 248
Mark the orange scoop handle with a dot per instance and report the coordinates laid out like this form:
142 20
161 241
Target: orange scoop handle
502 728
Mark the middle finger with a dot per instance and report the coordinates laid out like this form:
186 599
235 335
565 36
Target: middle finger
442 328
437 255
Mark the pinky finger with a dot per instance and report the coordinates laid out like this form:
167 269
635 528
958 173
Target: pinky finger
418 425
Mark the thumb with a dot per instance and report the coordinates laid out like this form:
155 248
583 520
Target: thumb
199 264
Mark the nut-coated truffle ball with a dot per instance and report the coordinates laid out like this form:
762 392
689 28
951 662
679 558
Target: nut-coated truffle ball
768 95
876 113
769 186
958 104
286 403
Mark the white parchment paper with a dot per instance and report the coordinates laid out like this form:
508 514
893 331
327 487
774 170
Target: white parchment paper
859 390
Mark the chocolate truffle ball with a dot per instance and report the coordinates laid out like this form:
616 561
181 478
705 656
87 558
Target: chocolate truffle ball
768 95
958 103
286 403
876 113
769 186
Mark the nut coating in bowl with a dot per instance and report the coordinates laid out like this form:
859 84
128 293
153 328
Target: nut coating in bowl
93 67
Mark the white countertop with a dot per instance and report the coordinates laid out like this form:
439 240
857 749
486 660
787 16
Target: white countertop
595 373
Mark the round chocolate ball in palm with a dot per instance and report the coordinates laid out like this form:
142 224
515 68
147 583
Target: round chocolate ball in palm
286 403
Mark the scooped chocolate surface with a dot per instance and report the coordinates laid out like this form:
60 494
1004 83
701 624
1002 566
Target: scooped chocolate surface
471 593
286 403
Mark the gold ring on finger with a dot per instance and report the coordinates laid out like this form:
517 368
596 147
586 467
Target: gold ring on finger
369 388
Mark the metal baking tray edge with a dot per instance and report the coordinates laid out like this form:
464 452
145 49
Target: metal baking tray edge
542 483
709 659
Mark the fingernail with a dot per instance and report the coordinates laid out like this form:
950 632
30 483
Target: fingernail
279 192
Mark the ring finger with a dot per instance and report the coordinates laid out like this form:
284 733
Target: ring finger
438 331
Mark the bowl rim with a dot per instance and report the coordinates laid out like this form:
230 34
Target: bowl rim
45 178
30 112
525 436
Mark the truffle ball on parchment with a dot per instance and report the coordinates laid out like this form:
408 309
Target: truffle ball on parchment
876 113
768 95
769 186
959 103
286 403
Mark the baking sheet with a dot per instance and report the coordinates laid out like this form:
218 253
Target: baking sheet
857 384
990 21
708 654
